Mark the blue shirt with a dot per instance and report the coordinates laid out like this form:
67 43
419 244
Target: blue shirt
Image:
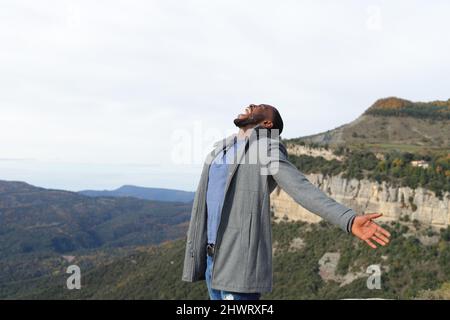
218 174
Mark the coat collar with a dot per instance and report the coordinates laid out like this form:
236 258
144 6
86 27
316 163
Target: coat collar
226 142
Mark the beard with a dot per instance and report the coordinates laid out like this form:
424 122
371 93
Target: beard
250 120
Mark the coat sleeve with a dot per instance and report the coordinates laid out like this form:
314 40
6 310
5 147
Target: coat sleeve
296 185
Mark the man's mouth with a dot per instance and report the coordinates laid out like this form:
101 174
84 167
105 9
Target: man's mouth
247 111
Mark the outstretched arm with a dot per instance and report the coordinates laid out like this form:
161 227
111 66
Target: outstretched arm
294 183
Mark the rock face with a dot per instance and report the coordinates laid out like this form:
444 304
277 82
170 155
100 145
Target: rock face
366 196
299 150
327 270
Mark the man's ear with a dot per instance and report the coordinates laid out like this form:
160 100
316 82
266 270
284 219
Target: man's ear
267 124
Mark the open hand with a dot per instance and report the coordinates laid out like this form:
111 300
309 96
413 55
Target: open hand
364 228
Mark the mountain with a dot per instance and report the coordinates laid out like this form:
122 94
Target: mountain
156 194
391 123
36 220
311 261
364 195
129 248
398 107
394 159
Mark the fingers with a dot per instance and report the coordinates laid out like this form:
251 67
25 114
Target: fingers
373 215
383 231
370 243
378 240
382 237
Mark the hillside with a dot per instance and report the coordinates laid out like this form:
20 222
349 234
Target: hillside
408 266
402 179
391 123
155 194
439 110
37 220
395 159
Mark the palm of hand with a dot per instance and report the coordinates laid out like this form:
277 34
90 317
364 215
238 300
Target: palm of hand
364 228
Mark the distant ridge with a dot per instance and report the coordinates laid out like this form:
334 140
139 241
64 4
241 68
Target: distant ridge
391 123
36 220
155 194
393 106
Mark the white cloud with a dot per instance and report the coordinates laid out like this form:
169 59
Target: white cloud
108 82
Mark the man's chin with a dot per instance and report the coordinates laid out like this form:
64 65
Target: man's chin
244 120
240 123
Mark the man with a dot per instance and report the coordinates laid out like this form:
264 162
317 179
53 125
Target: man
229 241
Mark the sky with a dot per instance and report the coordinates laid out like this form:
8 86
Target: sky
98 94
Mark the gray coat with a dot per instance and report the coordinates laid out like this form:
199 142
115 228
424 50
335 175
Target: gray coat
243 253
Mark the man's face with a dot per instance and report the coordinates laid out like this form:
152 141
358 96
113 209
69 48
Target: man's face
253 115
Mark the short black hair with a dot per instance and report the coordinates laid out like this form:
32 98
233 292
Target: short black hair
277 120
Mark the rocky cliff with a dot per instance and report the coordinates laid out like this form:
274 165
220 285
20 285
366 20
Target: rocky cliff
366 196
